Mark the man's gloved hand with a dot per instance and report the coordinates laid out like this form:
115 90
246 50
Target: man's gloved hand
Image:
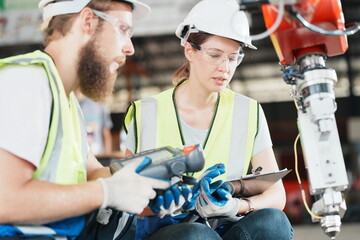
171 201
222 205
209 174
128 191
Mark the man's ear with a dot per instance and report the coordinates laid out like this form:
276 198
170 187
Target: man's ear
188 51
88 20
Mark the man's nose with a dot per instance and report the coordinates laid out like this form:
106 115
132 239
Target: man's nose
128 48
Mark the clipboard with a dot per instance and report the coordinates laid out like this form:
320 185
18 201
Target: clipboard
260 182
269 177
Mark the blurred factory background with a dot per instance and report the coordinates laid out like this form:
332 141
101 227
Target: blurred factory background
159 54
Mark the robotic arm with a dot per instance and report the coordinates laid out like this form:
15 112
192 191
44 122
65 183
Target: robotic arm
303 36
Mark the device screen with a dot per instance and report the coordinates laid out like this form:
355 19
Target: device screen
157 155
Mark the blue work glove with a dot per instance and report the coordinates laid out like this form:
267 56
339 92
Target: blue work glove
183 198
171 201
216 201
209 174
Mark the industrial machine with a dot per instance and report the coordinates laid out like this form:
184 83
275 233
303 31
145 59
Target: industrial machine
304 33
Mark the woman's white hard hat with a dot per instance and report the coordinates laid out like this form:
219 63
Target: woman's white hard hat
218 17
51 8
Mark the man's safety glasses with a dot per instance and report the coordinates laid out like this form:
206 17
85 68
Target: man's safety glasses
124 29
216 57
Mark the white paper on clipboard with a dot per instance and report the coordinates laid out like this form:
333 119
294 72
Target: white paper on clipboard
261 182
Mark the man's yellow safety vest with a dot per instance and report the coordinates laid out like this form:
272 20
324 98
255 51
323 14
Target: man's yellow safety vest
65 156
230 138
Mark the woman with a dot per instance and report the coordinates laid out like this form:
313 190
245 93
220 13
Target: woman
232 128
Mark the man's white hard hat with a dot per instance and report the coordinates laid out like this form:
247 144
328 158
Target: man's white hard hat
51 8
218 17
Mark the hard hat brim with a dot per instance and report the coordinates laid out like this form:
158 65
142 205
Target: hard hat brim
50 10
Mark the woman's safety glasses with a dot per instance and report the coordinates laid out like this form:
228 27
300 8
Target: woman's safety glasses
216 57
124 29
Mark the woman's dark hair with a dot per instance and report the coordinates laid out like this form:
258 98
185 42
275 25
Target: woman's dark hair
184 71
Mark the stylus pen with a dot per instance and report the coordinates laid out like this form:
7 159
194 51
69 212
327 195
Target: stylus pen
257 170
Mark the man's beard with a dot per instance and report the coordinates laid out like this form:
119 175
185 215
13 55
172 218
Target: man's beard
96 80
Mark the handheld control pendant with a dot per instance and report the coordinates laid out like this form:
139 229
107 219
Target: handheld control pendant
167 162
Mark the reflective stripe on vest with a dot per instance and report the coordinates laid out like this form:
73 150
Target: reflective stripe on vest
65 155
231 137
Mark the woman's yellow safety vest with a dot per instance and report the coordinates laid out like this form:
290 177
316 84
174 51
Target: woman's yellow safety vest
65 155
230 138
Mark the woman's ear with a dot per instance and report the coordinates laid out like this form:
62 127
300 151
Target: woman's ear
188 51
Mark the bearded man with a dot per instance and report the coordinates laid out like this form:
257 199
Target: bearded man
46 168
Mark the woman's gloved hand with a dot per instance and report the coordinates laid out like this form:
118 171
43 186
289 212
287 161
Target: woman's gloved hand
182 198
171 201
209 174
207 205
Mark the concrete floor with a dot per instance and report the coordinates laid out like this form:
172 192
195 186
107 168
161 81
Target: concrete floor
349 231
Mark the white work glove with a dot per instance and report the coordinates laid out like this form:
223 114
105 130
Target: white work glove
171 201
128 191
223 204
